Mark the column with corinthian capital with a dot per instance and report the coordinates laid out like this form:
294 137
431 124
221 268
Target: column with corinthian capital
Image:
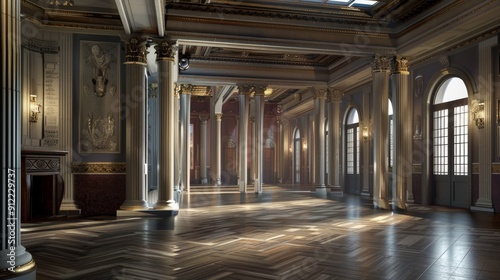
165 59
402 130
259 137
319 144
203 149
218 148
15 261
244 91
185 92
135 65
334 139
380 91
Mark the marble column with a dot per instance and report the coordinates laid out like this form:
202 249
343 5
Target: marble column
380 91
15 261
135 65
177 138
319 144
165 59
66 85
244 91
218 148
252 144
334 138
402 131
185 93
486 134
203 149
259 137
279 152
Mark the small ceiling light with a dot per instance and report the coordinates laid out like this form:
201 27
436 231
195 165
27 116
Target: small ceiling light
184 63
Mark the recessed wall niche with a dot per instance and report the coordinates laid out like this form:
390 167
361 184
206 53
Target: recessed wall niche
40 93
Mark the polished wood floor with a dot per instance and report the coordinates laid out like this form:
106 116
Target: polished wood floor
285 233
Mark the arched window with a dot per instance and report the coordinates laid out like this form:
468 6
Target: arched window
390 150
297 150
352 142
450 159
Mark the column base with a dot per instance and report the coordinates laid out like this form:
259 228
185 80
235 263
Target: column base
243 186
218 182
400 204
204 181
22 267
381 203
482 209
134 205
166 205
69 208
336 190
21 272
321 191
147 213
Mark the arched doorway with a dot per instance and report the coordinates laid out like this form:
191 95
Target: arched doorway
450 142
352 152
297 150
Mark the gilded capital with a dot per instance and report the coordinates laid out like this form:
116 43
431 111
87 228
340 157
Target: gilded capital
166 50
203 119
218 117
320 94
380 64
335 96
186 89
399 65
259 90
245 89
135 51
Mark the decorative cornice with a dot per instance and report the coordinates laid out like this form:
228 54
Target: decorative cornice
166 50
99 167
399 65
135 51
337 17
380 64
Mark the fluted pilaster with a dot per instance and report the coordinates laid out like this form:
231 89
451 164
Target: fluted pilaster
486 94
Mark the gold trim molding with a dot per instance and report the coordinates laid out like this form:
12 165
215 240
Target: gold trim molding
98 168
18 270
495 168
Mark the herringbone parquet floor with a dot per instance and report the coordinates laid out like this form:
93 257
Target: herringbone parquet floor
281 234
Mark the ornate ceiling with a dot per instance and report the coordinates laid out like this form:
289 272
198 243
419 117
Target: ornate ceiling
288 45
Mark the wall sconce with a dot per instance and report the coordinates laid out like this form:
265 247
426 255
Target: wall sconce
478 112
304 145
34 109
290 149
365 133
